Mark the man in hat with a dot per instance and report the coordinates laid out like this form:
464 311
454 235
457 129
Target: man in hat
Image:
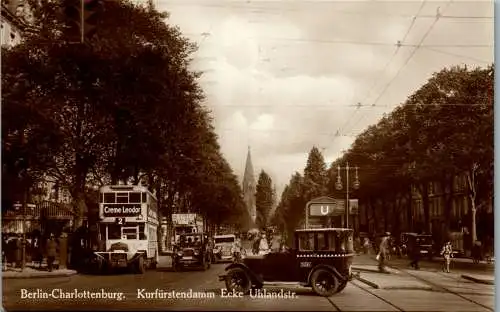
383 252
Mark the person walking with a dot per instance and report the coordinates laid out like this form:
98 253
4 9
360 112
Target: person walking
18 258
415 255
263 245
383 252
51 252
366 245
447 253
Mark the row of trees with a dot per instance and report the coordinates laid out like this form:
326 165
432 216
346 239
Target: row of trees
442 132
123 106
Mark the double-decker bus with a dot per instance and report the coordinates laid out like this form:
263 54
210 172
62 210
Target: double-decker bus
128 224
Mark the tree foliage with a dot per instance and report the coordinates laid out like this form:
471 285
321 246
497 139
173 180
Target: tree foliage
123 106
442 132
264 199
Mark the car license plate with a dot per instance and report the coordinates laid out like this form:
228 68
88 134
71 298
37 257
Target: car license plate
187 258
424 251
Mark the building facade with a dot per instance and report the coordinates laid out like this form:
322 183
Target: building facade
15 19
249 187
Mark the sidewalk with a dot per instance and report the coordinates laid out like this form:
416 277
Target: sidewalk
35 273
479 273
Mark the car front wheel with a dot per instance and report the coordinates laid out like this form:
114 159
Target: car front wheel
324 282
341 287
238 280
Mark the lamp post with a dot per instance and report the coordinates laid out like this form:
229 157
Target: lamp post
24 208
339 186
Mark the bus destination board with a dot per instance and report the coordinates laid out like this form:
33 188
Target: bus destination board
121 210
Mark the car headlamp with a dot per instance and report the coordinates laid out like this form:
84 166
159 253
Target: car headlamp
196 253
179 253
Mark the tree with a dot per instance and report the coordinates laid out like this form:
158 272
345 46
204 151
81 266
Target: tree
264 199
315 175
122 105
442 131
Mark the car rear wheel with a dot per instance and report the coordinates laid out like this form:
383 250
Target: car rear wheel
324 282
238 280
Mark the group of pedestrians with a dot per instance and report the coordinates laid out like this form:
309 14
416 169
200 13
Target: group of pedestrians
12 251
260 244
384 252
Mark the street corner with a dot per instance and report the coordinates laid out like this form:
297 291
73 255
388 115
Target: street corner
33 273
391 281
480 279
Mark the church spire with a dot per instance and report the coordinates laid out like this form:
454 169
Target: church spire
249 187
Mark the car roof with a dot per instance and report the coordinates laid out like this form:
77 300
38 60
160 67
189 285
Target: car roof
324 230
225 236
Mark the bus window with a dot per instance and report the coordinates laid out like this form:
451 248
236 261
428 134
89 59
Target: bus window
134 198
109 198
114 231
142 235
130 232
121 198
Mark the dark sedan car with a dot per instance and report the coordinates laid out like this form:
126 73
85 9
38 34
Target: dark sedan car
321 259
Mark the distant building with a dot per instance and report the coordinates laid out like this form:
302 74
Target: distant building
249 187
15 21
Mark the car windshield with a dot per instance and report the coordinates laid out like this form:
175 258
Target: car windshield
341 241
220 240
425 240
190 240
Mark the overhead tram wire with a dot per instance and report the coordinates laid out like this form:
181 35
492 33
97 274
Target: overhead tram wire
386 66
414 51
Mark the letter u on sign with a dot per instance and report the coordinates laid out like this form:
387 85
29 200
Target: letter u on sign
325 210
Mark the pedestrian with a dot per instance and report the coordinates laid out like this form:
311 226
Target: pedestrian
447 253
4 253
383 252
366 245
51 252
476 252
255 245
18 251
415 255
263 245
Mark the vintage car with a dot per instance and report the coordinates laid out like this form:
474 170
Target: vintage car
191 251
222 247
424 241
321 259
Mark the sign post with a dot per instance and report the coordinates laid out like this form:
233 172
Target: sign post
322 207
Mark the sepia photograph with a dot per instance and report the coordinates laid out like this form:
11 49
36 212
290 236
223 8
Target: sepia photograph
247 155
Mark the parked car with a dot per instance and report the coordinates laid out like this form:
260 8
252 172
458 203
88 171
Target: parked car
410 240
320 258
222 248
192 251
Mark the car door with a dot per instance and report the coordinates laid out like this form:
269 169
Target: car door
280 266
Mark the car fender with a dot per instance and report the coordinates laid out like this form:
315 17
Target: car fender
252 275
326 267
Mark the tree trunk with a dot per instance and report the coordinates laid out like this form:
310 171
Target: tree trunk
448 206
384 209
374 213
425 202
471 181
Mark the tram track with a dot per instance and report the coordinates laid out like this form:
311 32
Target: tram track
445 289
378 297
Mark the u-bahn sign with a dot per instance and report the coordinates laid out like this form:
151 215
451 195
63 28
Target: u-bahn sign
326 207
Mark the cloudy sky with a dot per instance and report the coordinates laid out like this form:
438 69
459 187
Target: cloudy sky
283 76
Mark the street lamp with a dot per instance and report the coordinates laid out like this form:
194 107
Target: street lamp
339 186
24 211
